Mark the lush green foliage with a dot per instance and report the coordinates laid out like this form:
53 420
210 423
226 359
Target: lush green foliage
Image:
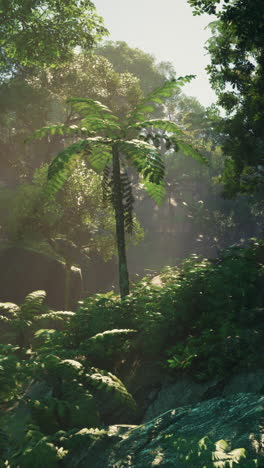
236 73
110 145
210 454
206 318
48 385
46 32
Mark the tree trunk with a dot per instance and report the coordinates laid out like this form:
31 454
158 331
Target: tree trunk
120 225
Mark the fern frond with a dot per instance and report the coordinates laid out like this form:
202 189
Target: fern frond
99 154
89 107
96 116
96 125
188 150
60 129
96 149
156 191
159 124
33 304
110 392
145 158
156 97
110 334
9 309
62 166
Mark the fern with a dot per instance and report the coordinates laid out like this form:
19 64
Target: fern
33 304
59 129
208 454
156 97
90 107
111 395
145 158
113 142
96 117
156 191
99 154
188 150
159 124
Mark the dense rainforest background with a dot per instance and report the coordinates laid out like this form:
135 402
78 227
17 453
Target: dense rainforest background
131 230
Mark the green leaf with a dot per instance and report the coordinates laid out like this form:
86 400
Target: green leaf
157 97
62 166
156 191
159 124
145 158
61 129
188 150
99 155
86 107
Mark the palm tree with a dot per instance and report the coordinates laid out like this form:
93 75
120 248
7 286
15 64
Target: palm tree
112 145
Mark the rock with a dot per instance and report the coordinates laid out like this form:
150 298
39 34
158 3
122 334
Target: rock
144 380
184 392
23 271
246 382
196 436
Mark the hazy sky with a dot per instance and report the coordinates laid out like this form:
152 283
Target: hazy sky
168 30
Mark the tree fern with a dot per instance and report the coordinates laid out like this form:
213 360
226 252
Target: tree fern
113 148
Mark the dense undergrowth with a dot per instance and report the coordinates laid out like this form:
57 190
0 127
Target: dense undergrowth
60 371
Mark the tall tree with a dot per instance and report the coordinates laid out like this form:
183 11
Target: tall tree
110 145
237 74
45 32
